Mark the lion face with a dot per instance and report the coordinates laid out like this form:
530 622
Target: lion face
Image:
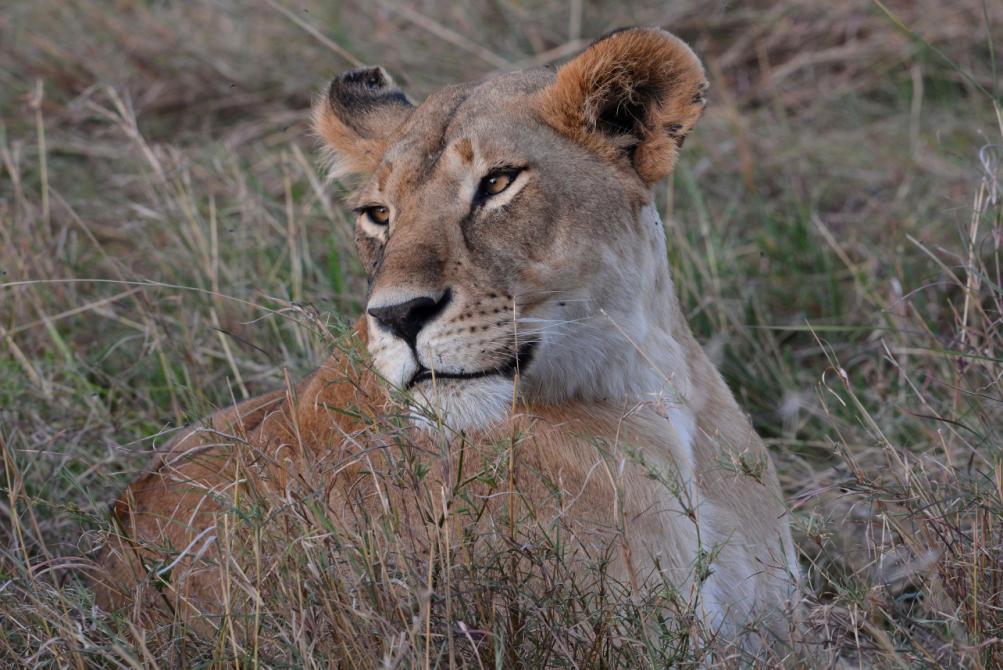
505 225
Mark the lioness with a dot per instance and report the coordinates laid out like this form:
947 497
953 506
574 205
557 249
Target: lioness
519 286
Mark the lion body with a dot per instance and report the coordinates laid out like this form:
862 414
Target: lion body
541 316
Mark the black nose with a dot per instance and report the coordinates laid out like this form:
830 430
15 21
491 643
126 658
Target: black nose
406 319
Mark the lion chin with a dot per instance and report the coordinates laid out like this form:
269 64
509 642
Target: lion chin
462 404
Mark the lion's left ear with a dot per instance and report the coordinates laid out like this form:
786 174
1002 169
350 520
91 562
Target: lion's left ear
633 94
357 116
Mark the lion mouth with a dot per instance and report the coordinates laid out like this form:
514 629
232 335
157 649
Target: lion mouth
518 362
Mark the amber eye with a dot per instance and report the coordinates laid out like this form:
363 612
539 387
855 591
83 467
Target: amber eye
496 182
378 214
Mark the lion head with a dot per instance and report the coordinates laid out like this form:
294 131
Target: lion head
506 225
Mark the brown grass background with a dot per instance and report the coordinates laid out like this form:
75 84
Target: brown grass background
167 244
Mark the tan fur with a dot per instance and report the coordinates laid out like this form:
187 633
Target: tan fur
570 259
614 72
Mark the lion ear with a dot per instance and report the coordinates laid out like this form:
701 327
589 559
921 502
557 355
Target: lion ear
356 118
632 94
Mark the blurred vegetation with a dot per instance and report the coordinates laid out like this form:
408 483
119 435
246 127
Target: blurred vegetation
167 245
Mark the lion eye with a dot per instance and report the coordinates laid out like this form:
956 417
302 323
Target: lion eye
496 182
378 214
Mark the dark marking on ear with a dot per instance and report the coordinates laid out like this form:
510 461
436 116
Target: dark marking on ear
626 110
356 93
358 116
700 97
372 78
674 131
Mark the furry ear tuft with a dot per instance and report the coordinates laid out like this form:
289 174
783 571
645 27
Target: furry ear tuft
356 117
633 94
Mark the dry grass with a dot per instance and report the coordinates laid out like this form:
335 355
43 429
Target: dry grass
165 245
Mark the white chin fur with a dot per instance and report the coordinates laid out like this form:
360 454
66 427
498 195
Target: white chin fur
462 404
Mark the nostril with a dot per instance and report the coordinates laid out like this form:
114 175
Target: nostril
406 319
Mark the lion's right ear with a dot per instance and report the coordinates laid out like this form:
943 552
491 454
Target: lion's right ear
633 95
361 110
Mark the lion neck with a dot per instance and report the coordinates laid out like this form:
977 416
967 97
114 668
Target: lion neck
656 366
626 349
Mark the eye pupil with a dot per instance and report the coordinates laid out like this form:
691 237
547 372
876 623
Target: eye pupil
379 215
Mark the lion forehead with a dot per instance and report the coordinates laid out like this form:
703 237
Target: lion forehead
477 108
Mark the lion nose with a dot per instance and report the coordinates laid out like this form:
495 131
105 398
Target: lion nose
406 319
